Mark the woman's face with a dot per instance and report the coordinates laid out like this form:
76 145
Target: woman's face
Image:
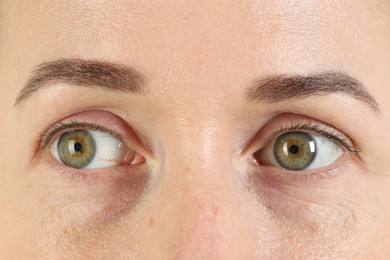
195 130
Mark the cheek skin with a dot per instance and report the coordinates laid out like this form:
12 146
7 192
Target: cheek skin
78 217
215 49
312 218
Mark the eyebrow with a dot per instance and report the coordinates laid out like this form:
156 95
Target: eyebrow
284 87
85 73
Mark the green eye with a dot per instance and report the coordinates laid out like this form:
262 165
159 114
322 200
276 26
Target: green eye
76 149
90 150
295 150
298 151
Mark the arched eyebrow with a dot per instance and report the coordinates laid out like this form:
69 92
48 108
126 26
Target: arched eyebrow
120 78
285 88
85 73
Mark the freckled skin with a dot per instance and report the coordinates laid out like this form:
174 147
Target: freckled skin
197 195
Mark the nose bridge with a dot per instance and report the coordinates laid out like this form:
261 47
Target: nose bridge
204 220
197 168
198 163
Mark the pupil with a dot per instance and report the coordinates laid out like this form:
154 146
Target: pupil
293 149
78 147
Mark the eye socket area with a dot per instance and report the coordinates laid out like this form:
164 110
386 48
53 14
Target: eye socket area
298 151
93 149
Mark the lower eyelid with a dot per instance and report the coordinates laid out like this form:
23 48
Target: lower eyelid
317 176
94 176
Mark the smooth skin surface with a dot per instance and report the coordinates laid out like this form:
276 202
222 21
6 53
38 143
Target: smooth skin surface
195 187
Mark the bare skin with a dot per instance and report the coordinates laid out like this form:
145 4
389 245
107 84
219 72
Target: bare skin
196 177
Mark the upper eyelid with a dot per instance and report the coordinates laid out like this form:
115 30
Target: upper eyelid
48 136
284 123
113 123
318 129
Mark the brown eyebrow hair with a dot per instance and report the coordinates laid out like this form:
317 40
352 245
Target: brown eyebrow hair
120 78
285 87
86 73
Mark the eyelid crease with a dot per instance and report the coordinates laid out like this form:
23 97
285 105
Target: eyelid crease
337 137
72 125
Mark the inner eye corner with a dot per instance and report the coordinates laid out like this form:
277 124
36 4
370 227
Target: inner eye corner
137 160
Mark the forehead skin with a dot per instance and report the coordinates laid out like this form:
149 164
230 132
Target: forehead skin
198 57
276 34
168 41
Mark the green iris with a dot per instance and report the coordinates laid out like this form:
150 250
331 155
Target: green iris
76 149
295 150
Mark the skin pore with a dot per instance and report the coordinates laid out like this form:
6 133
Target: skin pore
197 92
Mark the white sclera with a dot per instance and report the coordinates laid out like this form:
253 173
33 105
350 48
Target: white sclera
110 151
327 152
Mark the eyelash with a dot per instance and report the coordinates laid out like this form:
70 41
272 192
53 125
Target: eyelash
82 175
317 128
304 176
48 136
312 126
307 126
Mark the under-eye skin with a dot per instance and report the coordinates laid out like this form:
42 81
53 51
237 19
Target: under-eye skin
302 146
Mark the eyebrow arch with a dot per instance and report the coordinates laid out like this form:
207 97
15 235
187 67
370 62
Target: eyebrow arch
85 73
285 87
